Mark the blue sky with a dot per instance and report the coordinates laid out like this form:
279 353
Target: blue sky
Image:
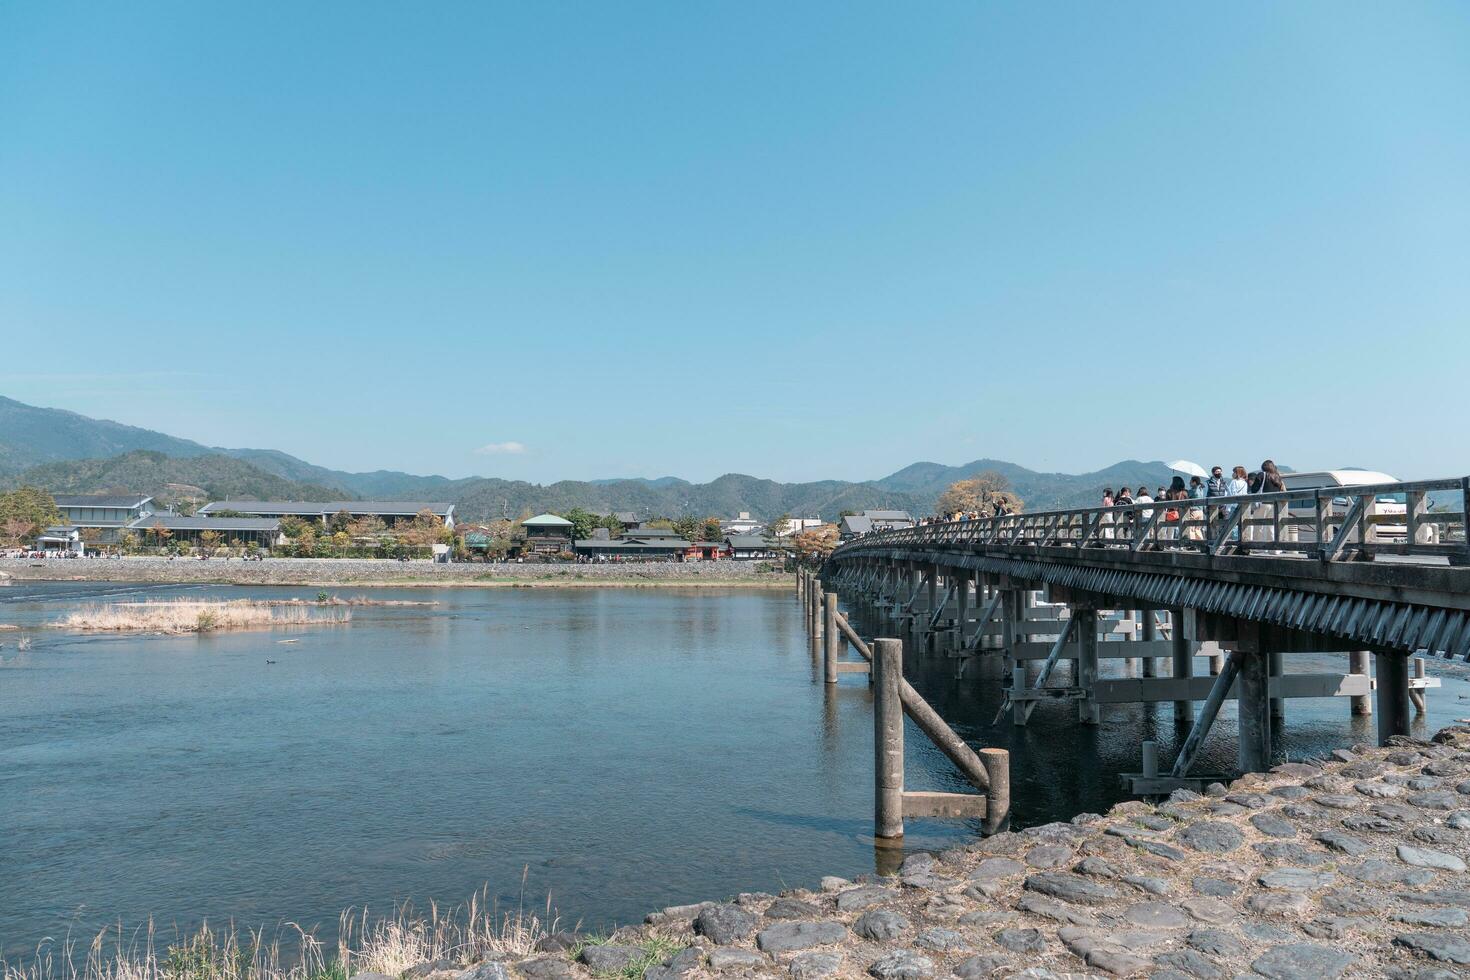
797 241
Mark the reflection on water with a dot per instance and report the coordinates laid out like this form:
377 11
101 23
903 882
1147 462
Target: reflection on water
623 749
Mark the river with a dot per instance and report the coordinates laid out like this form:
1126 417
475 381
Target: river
616 749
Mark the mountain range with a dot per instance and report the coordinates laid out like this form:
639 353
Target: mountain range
67 452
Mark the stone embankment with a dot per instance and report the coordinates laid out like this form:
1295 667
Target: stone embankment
329 572
1355 867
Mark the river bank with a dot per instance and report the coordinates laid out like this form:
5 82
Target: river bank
362 572
1353 866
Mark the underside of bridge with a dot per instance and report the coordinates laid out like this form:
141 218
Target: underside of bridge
1194 630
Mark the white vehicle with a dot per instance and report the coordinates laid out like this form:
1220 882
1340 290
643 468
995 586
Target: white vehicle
1386 514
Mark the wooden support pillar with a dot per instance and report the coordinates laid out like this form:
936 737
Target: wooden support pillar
1393 694
962 607
1253 707
998 795
831 638
1148 632
816 618
1182 648
1278 705
1362 704
1223 682
1088 712
888 739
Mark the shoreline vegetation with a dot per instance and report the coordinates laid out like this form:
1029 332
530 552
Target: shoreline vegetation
351 573
177 616
1353 865
475 931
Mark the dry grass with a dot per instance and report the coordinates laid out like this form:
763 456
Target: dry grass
388 945
192 616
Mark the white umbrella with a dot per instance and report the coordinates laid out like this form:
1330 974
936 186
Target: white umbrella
1188 468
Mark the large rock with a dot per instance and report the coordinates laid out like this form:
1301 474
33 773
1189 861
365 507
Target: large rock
1022 940
1421 857
493 970
1447 947
980 967
723 958
725 924
996 867
610 957
1215 942
788 936
855 899
792 908
902 964
880 925
816 964
1211 837
1156 915
1296 879
1071 888
546 968
1299 961
1273 825
1346 843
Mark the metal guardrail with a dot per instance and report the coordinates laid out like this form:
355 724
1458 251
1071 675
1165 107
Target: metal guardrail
1328 524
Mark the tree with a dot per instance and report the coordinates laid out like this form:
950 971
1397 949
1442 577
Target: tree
660 522
340 521
159 533
294 527
208 541
687 527
27 511
583 522
980 494
90 536
367 526
815 543
778 527
711 530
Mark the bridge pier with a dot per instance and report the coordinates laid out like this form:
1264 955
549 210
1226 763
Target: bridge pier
1182 651
1253 709
1362 704
1146 632
1393 694
1278 705
1088 711
962 610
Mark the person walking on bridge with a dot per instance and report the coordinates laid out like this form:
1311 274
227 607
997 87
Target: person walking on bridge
1106 520
1269 481
1238 486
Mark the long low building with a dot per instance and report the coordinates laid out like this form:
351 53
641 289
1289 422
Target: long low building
388 511
262 531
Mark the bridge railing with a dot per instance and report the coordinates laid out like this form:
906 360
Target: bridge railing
1328 524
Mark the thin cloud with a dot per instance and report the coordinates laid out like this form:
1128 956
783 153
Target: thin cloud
501 449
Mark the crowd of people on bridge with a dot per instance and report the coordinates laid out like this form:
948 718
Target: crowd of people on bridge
1179 508
1184 515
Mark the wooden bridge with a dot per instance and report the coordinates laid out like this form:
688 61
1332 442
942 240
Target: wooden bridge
1236 585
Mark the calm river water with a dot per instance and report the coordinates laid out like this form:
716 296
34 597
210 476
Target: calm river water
621 749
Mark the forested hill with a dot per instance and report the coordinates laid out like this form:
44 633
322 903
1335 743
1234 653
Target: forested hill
169 479
67 452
